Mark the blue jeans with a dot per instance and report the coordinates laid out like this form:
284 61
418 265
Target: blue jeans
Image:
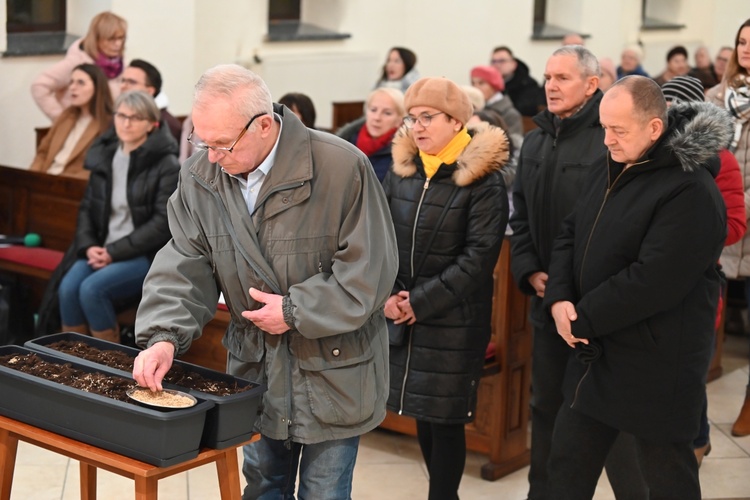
325 469
88 296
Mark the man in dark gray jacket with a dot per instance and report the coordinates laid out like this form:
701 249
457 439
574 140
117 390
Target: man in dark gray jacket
298 218
555 160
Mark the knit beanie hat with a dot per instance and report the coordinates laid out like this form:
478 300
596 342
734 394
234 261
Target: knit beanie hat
442 94
490 75
683 88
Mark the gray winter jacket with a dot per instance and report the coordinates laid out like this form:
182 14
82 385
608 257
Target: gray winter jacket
735 259
320 233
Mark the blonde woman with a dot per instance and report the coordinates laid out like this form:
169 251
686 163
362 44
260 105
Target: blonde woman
103 45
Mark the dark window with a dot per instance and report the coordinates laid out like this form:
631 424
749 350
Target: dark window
540 12
35 15
283 10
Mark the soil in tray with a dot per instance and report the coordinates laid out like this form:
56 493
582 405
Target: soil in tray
120 360
110 386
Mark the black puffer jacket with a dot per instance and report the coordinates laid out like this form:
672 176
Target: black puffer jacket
152 178
552 169
638 258
434 377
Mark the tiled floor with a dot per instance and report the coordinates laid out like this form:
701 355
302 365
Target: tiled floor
390 466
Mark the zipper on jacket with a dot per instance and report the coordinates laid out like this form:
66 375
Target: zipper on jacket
599 213
411 274
578 387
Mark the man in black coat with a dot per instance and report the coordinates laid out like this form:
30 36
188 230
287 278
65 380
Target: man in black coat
634 287
525 93
554 162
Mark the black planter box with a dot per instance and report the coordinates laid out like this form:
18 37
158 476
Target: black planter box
161 438
229 422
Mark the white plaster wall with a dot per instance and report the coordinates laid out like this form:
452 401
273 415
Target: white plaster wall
184 37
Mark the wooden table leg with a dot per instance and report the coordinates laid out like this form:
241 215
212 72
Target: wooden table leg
229 475
8 449
146 488
88 481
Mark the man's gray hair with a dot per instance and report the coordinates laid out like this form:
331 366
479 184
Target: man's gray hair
587 62
247 91
141 103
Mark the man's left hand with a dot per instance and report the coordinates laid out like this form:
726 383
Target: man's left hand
270 317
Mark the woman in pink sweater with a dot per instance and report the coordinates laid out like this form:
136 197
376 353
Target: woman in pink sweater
103 45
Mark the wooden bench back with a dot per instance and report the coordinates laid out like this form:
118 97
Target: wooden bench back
33 202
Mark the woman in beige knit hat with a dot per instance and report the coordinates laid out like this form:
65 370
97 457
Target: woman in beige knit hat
449 206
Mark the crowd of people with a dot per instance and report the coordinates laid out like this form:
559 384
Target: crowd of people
626 206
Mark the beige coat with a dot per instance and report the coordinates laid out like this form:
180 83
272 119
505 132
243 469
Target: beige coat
50 88
54 141
735 259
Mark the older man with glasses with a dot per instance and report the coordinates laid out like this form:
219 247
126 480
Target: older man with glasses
292 225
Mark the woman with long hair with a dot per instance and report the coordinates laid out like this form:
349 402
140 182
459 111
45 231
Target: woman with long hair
733 94
64 148
399 70
103 45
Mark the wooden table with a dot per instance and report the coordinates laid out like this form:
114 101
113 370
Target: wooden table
91 458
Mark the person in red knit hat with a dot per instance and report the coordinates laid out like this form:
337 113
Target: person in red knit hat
489 80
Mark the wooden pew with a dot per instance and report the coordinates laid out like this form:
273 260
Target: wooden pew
48 205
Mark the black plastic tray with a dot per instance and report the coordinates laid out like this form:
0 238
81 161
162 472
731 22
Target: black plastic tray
161 438
228 423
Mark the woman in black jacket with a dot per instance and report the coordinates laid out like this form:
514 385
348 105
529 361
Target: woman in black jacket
122 221
445 267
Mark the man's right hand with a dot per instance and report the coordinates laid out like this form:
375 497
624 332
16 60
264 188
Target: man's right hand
151 365
538 281
564 313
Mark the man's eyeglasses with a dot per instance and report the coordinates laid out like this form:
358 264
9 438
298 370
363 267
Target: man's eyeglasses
424 119
217 149
499 61
128 118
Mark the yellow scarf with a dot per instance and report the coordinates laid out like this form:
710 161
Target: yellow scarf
447 155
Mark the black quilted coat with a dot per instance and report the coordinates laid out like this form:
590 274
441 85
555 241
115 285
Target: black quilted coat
435 375
152 178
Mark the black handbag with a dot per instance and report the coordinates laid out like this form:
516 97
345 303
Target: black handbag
397 334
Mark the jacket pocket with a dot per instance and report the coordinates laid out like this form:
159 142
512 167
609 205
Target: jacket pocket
246 344
340 379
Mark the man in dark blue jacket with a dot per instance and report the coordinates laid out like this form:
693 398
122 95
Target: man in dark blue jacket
634 287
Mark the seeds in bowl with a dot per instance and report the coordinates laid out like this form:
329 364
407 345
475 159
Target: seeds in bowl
166 398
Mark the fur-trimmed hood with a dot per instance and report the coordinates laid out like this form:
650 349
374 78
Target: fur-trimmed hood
697 132
488 151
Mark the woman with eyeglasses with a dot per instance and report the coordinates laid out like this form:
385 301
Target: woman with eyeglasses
63 149
373 133
103 46
122 220
449 207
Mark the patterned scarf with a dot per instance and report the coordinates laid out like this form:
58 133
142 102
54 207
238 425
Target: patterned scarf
737 101
112 66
